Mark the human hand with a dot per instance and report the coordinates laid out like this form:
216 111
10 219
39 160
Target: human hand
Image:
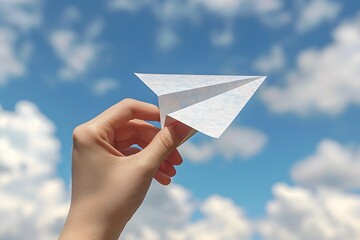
110 178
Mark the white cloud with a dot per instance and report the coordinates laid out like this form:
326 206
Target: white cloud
17 19
326 80
105 85
167 212
274 61
23 15
76 51
332 165
163 208
12 64
222 220
33 201
297 213
235 142
314 12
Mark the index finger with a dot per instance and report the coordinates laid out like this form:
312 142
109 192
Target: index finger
128 109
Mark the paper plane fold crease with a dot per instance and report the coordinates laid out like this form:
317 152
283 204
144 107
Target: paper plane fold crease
206 103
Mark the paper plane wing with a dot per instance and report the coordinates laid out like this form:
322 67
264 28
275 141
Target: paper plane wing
206 103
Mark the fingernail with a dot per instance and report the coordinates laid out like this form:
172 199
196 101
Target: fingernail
182 130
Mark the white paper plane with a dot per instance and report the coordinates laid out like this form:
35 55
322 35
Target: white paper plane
206 103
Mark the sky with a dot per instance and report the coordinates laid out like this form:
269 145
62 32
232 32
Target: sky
286 169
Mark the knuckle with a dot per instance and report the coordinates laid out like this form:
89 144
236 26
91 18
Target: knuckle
77 133
129 105
84 134
167 142
128 101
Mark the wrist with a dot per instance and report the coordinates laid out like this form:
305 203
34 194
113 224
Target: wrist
87 223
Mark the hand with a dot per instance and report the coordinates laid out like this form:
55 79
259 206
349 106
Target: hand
110 178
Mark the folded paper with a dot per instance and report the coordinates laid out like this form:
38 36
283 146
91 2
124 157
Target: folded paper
206 103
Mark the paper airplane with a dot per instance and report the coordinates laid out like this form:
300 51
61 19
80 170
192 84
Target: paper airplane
206 103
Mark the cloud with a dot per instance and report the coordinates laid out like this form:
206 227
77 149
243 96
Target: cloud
222 220
297 213
333 165
77 51
274 61
104 85
163 208
167 213
12 61
21 15
314 12
17 20
325 79
33 201
171 14
235 142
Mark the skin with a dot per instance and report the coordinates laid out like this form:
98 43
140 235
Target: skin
110 178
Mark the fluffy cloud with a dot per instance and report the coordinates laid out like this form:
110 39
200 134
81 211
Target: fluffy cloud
297 213
332 165
314 12
235 142
166 214
76 51
274 61
33 201
222 220
325 80
163 208
17 19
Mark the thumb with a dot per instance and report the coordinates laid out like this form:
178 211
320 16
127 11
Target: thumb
164 143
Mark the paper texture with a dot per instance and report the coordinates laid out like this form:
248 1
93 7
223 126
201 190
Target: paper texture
207 103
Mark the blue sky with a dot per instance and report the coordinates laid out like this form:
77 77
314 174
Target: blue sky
63 62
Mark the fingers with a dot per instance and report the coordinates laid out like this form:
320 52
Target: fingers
162 178
136 128
164 143
165 172
130 151
174 157
128 109
168 168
